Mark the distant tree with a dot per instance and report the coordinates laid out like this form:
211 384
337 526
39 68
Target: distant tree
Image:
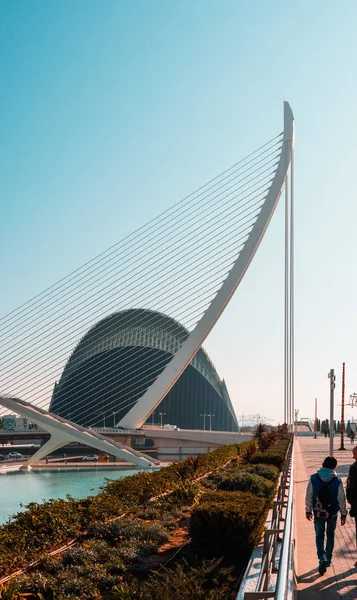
348 428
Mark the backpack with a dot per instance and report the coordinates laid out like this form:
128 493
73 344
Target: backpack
323 503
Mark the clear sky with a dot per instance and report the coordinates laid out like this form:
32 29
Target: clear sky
111 111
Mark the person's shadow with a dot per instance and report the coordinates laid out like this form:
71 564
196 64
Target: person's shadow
326 587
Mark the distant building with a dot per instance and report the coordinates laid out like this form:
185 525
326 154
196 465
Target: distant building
120 357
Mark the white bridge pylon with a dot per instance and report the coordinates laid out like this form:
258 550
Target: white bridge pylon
140 412
63 432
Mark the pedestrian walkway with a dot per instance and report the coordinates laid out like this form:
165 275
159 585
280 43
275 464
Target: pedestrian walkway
340 580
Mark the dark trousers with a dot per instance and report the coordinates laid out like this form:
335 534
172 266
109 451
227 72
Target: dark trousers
320 526
356 529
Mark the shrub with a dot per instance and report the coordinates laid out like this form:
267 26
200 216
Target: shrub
247 450
267 471
120 529
226 523
244 481
206 581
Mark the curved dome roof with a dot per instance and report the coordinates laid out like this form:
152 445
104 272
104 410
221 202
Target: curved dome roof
138 327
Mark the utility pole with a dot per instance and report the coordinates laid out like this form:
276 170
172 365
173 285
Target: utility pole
315 420
152 418
332 379
343 410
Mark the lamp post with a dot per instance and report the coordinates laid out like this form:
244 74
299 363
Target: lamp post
332 378
296 418
161 415
343 410
315 421
204 415
152 418
114 413
210 421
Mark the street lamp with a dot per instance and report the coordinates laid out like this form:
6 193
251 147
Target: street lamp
161 415
353 400
114 413
210 421
152 418
296 418
204 415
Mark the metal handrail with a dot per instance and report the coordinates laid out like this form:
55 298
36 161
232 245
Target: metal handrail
276 558
282 586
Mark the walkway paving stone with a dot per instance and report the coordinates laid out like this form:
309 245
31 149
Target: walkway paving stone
340 580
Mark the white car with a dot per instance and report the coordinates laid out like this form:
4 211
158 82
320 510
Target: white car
15 455
90 458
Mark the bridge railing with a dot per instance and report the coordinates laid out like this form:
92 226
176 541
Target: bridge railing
275 579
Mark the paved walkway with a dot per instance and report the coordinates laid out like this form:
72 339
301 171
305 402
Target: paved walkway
340 580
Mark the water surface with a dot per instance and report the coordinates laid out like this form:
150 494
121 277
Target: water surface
24 487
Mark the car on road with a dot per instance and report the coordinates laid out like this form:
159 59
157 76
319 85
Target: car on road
14 455
2 457
90 458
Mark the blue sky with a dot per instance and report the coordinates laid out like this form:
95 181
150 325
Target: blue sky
112 111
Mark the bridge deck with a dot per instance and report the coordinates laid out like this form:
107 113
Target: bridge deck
340 580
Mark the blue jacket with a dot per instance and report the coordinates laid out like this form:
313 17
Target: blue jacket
336 490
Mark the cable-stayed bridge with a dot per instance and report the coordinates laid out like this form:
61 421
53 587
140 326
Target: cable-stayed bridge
136 316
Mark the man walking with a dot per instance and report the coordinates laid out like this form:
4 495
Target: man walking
351 488
325 496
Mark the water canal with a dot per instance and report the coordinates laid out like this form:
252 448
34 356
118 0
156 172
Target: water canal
18 488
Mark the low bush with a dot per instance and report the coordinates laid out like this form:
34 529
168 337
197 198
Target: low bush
267 471
226 523
128 528
206 581
243 481
275 455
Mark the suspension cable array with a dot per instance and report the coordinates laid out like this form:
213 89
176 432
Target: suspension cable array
174 265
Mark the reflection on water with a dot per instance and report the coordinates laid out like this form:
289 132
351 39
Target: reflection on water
24 487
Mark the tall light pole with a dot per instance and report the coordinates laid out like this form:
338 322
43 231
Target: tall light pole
210 421
315 421
343 410
204 415
152 418
114 413
296 418
161 415
332 379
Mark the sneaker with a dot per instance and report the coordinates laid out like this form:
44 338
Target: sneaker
328 562
322 567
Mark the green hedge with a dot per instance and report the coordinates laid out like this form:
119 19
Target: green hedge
267 471
244 481
226 523
275 455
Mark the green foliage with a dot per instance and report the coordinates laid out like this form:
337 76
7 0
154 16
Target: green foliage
274 455
127 528
267 471
247 450
205 581
244 481
226 523
49 525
